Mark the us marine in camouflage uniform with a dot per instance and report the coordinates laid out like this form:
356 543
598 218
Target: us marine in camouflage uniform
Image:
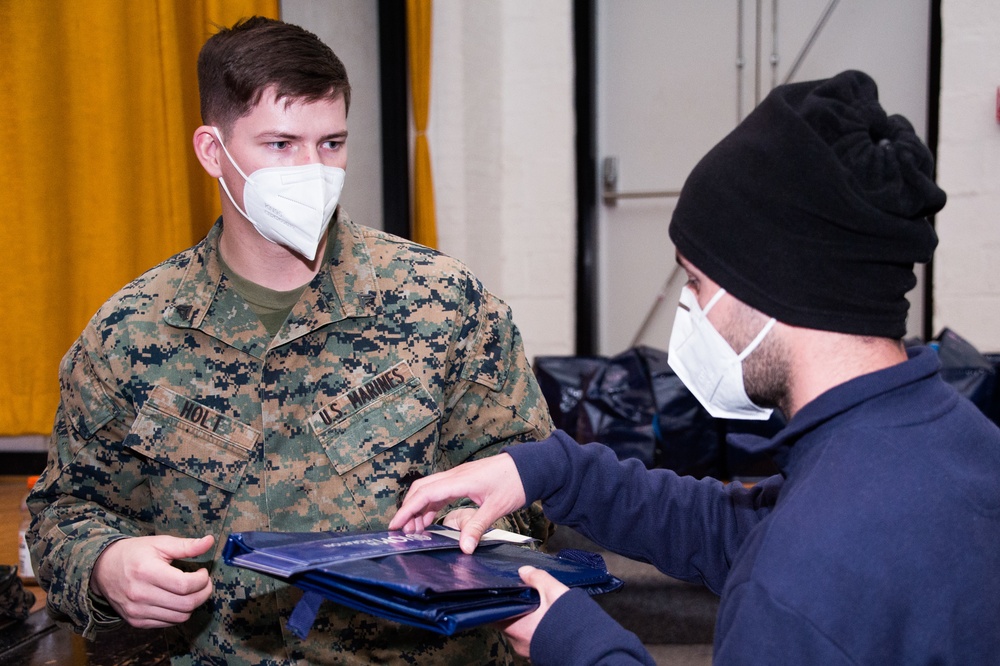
183 416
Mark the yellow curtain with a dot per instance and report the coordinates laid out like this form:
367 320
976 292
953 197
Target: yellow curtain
418 30
100 182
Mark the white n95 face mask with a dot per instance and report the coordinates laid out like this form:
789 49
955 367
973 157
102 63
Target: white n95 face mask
289 205
707 365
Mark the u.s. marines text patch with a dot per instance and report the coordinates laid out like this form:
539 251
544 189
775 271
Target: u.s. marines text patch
357 398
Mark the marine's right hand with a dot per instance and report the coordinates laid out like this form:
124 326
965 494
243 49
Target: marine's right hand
135 576
493 483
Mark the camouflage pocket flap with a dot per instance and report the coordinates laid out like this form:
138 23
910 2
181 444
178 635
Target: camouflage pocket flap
374 417
84 398
191 438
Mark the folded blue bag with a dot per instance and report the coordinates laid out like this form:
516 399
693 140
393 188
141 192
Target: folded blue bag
423 580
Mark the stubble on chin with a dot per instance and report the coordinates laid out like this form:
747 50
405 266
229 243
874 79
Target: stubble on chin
766 374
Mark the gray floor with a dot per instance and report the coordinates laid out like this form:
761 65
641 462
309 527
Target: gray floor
697 654
674 619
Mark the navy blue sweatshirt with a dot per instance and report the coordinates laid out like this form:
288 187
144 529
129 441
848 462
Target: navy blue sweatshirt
879 542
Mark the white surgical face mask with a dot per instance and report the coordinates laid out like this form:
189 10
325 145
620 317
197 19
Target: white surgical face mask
289 205
706 363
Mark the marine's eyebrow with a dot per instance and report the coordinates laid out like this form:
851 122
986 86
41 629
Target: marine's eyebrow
281 135
277 135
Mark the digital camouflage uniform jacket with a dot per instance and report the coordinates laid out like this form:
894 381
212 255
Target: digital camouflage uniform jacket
180 415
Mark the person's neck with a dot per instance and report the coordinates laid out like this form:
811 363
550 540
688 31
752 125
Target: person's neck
822 360
265 263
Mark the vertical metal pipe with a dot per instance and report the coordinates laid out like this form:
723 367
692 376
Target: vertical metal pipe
757 49
774 43
740 62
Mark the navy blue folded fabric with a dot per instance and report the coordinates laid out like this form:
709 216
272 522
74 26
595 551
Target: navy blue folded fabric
420 580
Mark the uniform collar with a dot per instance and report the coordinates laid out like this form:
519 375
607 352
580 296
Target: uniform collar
345 287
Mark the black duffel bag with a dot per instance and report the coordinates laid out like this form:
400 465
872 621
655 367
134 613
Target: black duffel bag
636 405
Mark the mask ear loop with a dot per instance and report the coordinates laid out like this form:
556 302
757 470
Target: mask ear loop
226 151
756 341
712 301
222 180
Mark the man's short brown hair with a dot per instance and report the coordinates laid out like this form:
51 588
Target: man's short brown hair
236 65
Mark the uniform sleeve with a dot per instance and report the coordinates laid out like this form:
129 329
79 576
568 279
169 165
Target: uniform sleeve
84 501
494 399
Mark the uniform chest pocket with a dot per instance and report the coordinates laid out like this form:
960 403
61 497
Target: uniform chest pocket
194 458
371 419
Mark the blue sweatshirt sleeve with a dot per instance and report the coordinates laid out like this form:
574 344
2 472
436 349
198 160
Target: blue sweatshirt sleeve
576 630
687 528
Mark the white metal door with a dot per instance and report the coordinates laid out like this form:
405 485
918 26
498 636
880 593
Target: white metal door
674 77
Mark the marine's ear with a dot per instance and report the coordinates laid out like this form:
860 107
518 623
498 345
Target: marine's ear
208 149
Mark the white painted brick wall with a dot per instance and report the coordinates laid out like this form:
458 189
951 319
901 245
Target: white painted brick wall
967 261
501 133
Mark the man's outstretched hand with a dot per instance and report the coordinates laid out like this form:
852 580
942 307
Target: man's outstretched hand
492 483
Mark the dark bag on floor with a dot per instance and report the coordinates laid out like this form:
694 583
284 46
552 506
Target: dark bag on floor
971 373
563 380
15 601
636 405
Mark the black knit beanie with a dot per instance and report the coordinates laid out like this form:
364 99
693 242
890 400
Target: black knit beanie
814 209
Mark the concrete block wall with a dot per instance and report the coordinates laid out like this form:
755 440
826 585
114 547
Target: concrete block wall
967 261
501 132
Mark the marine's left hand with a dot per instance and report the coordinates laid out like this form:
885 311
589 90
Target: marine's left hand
520 630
